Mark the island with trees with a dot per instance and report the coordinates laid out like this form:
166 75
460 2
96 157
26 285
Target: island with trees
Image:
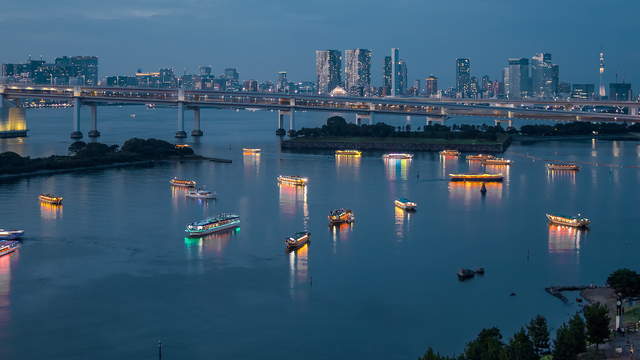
88 156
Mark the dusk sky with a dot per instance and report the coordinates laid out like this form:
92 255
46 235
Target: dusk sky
261 37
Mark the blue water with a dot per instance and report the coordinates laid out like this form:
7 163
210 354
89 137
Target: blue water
109 274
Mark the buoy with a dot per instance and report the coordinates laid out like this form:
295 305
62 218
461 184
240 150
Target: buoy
483 189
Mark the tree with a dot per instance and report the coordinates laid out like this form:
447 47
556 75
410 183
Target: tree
521 347
597 318
578 334
563 346
77 146
539 334
432 355
625 281
487 346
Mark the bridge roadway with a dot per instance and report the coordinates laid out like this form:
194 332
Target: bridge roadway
288 104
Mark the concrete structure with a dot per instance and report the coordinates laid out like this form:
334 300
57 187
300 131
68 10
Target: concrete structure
357 71
197 131
328 70
93 111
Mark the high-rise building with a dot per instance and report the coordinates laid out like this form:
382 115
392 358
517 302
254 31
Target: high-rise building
402 78
231 74
431 86
516 78
388 68
463 77
205 70
74 70
544 76
250 86
620 91
357 71
282 82
583 91
601 90
328 68
416 87
395 71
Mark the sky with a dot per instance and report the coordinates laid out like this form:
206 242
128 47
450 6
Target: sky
262 37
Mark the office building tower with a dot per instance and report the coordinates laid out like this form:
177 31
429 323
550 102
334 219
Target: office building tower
328 68
205 70
431 86
516 78
388 69
583 91
231 74
282 82
402 78
544 76
357 71
463 77
620 91
250 86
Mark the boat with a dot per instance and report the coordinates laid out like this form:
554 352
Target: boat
405 204
575 221
340 216
496 161
201 194
248 151
182 146
400 156
182 183
476 177
11 234
297 240
563 166
292 180
348 153
450 152
212 224
465 274
480 157
50 199
7 247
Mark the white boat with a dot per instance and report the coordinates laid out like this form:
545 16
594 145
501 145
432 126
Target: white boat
7 247
11 234
201 194
398 156
213 224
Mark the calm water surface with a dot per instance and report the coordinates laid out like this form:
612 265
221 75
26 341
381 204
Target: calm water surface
110 273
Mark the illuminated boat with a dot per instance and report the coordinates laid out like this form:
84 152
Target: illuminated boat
200 194
212 224
496 161
400 156
50 199
405 204
340 216
182 183
248 151
182 146
348 152
292 180
450 153
480 157
476 177
297 240
563 166
575 221
11 234
7 247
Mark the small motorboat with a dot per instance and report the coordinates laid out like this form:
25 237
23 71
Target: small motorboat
249 151
200 194
297 240
7 247
182 183
50 199
405 204
465 274
292 180
340 216
573 221
11 234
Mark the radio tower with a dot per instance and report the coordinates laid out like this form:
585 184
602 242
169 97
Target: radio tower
602 92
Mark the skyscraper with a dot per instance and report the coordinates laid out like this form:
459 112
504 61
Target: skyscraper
395 71
516 79
328 68
620 91
463 77
357 71
387 75
431 86
544 76
402 78
601 91
282 82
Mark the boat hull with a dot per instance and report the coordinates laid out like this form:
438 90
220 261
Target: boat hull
11 234
578 223
205 232
408 207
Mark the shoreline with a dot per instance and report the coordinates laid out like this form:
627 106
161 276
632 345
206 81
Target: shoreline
606 137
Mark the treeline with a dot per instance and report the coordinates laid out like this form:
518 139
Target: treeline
93 154
337 126
625 282
533 342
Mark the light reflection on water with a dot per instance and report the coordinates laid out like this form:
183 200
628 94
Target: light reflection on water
210 245
348 166
298 269
470 191
397 169
560 176
6 263
564 243
339 233
251 163
291 198
50 211
402 222
449 164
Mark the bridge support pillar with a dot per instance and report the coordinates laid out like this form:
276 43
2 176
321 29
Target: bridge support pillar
364 116
280 125
633 110
93 110
76 134
1 100
436 119
180 133
292 121
407 123
508 122
197 131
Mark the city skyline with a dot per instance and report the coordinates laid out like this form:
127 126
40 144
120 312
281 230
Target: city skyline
121 53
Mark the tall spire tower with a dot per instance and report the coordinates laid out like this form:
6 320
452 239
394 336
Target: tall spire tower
601 91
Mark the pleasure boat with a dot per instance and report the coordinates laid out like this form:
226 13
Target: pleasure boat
182 183
405 204
292 180
573 221
200 194
248 151
563 166
496 161
480 157
297 240
398 156
477 177
340 216
348 153
212 224
11 234
50 199
7 247
450 152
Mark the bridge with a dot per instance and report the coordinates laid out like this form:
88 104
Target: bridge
286 105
